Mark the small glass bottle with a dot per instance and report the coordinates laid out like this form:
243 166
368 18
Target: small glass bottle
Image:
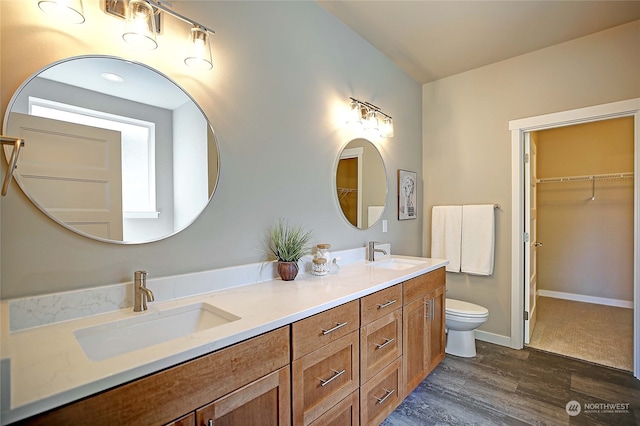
319 266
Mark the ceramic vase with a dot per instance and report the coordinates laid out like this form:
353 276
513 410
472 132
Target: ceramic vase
287 270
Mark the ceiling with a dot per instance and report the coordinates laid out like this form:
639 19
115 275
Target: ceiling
434 39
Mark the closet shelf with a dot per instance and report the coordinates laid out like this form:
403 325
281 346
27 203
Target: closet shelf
607 176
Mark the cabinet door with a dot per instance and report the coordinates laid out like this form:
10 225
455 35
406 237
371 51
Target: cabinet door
325 377
415 344
382 394
380 343
437 338
264 402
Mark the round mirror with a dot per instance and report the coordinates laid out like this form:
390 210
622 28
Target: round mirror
114 150
361 183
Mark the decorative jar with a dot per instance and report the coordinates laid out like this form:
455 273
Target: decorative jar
319 266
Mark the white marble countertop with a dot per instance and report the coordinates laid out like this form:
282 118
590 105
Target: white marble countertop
44 367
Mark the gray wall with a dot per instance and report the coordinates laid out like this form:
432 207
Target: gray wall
467 143
277 99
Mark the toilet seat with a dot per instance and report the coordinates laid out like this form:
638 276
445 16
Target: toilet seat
464 309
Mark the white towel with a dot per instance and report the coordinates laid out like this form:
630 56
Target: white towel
478 239
446 234
373 214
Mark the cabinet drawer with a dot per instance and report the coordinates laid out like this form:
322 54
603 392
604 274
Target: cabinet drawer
344 413
324 377
423 284
380 343
380 303
381 395
316 331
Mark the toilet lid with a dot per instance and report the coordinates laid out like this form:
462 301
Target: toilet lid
459 307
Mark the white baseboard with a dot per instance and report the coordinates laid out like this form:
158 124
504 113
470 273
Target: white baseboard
497 339
586 299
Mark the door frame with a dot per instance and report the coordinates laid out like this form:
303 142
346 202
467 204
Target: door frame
518 128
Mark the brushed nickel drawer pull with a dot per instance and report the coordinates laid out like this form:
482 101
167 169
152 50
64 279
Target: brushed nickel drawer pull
331 330
387 303
336 374
386 342
388 393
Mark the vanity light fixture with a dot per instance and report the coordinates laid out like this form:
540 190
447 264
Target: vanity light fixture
69 11
141 27
365 114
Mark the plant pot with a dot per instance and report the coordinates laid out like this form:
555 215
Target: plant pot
288 270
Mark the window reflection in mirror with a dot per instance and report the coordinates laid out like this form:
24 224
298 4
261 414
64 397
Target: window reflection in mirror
361 183
130 161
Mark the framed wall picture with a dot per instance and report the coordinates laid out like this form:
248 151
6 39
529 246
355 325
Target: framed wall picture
407 195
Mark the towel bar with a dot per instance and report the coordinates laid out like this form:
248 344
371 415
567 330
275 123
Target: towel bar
17 144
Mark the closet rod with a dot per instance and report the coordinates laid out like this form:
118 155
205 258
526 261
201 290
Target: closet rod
624 175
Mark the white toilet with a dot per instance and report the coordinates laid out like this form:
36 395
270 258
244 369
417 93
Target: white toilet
461 319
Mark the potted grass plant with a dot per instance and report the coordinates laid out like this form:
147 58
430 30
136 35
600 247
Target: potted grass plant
287 243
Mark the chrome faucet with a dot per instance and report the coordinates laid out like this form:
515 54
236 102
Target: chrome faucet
140 291
372 251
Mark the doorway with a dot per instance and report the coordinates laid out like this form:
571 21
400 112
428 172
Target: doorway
581 238
520 228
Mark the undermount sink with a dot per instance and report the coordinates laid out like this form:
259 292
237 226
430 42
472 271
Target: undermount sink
104 341
397 264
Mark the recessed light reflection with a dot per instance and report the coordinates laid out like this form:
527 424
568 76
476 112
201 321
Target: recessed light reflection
109 76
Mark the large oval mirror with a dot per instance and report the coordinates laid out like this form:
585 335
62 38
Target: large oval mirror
361 183
114 150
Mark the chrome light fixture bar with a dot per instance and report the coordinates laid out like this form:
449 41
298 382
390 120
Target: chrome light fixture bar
365 114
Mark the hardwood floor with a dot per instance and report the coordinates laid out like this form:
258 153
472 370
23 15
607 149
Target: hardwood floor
503 386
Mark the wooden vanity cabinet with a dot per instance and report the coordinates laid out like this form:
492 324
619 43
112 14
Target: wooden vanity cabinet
325 364
163 397
423 326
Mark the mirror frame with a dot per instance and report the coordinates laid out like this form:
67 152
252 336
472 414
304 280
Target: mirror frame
211 130
335 183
